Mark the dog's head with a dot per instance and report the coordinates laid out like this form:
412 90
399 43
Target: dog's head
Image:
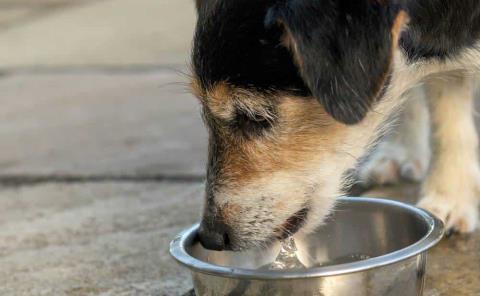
286 89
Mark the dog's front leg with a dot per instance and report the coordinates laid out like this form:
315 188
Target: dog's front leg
450 190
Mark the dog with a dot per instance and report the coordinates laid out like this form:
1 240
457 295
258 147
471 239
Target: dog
294 92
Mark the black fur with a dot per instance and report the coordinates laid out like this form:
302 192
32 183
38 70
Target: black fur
345 45
232 44
441 28
345 48
251 126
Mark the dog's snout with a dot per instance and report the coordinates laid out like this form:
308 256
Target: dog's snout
214 236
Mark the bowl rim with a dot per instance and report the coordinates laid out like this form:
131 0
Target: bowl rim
430 239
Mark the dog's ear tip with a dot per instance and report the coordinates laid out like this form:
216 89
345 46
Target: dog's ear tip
346 113
350 120
325 53
348 117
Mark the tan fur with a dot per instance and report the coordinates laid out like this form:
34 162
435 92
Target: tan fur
398 25
303 132
220 101
291 143
298 162
196 89
451 189
229 211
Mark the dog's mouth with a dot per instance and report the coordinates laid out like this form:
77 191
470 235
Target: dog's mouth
292 224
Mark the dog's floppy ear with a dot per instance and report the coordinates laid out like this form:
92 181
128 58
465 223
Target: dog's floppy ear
343 48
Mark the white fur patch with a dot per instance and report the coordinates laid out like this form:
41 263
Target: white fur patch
451 190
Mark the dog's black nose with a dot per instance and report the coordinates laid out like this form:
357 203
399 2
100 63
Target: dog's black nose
214 236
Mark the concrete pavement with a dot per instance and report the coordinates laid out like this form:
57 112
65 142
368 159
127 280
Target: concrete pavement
94 239
107 32
93 91
100 123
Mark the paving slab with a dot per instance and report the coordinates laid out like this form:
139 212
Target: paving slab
103 239
112 239
99 124
109 32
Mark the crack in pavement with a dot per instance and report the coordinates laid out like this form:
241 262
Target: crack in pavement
94 69
29 180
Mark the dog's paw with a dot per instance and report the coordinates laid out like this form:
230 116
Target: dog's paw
457 215
414 169
392 162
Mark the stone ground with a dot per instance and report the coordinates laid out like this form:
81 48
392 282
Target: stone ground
103 152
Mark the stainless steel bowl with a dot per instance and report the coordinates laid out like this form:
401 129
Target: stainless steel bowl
367 247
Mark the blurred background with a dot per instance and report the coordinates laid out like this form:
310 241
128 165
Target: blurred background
103 151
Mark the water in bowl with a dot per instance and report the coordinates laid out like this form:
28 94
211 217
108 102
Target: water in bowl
288 258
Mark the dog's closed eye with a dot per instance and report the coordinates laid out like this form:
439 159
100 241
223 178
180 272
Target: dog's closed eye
250 123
